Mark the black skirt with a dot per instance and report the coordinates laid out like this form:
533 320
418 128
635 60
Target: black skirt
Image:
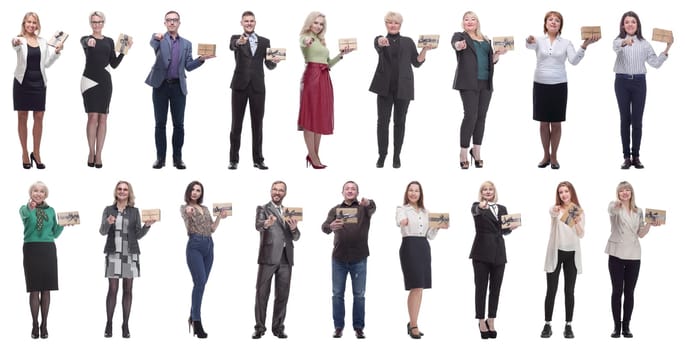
415 258
549 102
40 266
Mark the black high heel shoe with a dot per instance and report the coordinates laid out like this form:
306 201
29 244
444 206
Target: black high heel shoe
43 330
483 334
125 333
108 329
198 331
491 332
91 164
412 334
38 165
34 332
477 162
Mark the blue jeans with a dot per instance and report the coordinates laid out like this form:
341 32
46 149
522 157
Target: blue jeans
169 94
199 256
357 273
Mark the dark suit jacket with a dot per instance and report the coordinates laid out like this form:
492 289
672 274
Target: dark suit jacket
405 82
249 68
135 228
163 60
466 76
488 244
273 239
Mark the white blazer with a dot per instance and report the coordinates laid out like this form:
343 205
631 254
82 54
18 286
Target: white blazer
48 56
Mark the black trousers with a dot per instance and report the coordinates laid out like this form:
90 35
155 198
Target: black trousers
265 273
385 106
623 280
483 273
239 100
476 103
567 261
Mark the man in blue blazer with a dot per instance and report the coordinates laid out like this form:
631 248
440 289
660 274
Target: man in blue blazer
174 55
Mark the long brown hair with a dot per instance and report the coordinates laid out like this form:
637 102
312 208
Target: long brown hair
419 203
571 189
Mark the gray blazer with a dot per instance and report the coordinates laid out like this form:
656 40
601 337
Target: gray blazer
135 230
466 76
273 240
163 60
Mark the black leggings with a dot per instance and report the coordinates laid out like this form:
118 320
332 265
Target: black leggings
567 259
623 280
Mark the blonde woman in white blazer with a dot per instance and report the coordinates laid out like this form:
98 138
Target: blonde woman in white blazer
623 247
33 56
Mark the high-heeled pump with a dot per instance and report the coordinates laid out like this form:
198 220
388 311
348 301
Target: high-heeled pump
412 334
492 333
108 329
310 162
43 330
34 331
89 163
484 334
198 331
125 333
477 162
38 165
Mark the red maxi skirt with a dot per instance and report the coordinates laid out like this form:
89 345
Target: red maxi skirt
316 100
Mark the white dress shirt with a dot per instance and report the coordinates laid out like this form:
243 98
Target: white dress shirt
551 57
418 222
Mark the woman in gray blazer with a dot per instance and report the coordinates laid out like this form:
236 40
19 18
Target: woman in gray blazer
473 79
33 56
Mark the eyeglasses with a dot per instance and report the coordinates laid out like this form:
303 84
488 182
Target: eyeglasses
97 22
172 20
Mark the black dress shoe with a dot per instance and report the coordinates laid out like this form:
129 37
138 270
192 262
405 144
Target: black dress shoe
261 165
555 166
568 332
359 333
636 163
180 165
158 164
125 333
232 165
280 335
337 333
43 331
257 334
626 164
546 331
396 162
617 330
108 330
492 334
543 164
34 332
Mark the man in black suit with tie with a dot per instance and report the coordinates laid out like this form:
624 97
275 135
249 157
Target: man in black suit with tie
276 236
248 85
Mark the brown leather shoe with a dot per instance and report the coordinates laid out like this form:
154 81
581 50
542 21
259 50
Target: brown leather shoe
359 333
337 333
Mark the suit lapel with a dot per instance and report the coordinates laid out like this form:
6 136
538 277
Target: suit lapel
273 211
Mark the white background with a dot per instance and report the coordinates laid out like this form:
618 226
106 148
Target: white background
590 156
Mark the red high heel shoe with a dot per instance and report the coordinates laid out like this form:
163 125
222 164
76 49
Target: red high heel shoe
309 162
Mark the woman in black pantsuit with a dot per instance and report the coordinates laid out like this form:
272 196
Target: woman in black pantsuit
393 82
488 255
473 79
415 253
96 84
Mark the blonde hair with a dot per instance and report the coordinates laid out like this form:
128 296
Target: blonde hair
625 185
131 202
39 184
306 28
96 13
393 16
22 32
482 186
479 34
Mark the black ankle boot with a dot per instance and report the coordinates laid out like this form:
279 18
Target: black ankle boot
381 161
198 330
626 329
396 161
617 330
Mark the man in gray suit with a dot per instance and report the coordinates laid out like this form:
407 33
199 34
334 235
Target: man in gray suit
276 236
174 56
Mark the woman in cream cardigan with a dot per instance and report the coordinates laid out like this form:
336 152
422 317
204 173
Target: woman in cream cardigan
33 56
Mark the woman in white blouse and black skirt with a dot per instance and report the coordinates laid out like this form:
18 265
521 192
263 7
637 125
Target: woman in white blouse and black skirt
550 89
623 247
415 252
632 51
